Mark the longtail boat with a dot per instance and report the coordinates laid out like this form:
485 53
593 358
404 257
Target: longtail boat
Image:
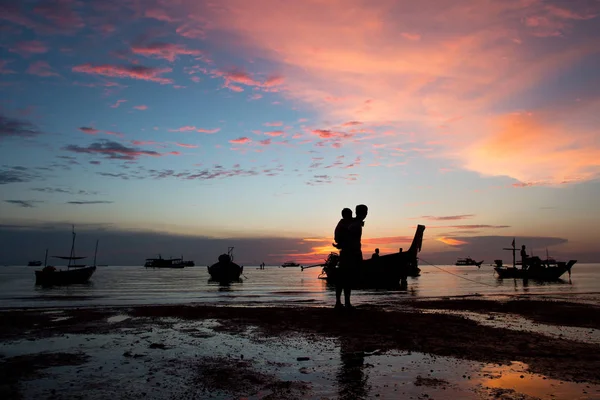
468 261
386 271
534 268
75 273
225 271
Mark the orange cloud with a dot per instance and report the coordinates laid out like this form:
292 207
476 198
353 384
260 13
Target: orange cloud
141 107
536 149
388 62
452 242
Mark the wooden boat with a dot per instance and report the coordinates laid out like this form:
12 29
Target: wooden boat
167 262
468 261
290 264
535 268
34 264
75 273
225 271
385 272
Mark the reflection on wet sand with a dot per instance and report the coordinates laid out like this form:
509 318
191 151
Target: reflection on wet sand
351 377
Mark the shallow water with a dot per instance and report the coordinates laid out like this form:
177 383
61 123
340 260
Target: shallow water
164 362
116 285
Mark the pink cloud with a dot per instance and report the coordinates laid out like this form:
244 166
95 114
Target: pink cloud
210 131
112 133
240 140
191 128
351 123
126 71
41 68
187 146
27 48
61 13
117 103
274 133
143 142
255 96
141 107
265 142
196 79
234 78
88 130
167 51
187 128
327 134
274 123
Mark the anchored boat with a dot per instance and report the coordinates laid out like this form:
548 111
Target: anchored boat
386 271
533 268
75 273
225 271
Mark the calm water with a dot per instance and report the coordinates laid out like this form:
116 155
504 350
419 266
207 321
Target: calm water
272 286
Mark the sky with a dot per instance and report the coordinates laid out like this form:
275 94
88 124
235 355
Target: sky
187 126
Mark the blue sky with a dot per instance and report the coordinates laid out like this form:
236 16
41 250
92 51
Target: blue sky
241 121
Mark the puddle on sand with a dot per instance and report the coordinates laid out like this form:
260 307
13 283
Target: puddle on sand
117 318
169 361
515 376
518 323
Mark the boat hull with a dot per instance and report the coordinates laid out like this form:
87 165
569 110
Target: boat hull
225 272
385 272
64 277
540 273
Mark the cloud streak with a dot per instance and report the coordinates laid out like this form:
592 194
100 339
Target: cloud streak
126 71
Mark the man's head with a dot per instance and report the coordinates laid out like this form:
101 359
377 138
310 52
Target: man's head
377 251
523 247
361 212
346 213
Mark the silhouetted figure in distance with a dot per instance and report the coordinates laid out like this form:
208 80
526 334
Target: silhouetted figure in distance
523 257
375 255
341 230
350 258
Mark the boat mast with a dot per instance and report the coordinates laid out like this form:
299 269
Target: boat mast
72 247
95 252
46 258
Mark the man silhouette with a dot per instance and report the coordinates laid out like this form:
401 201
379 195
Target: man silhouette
350 258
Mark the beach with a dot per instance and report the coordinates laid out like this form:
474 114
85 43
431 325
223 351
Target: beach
518 348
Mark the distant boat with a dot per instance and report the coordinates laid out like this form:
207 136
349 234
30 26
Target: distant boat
225 271
167 262
290 264
535 268
468 261
75 273
34 263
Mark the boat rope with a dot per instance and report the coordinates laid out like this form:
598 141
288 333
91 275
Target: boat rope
452 273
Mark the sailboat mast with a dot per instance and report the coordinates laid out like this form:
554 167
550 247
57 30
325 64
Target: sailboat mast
95 253
46 258
72 246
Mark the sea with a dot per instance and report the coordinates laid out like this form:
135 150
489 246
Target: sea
275 286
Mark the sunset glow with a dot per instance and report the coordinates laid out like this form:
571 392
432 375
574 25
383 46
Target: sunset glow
260 120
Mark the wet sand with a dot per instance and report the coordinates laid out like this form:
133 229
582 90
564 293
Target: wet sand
300 352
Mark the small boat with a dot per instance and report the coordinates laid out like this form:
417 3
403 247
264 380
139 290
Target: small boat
225 271
75 273
468 261
34 264
535 268
167 262
290 264
384 272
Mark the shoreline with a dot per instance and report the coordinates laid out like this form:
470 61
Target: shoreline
395 331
